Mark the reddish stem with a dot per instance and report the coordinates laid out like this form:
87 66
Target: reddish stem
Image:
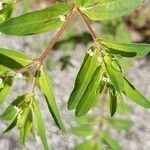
87 23
56 37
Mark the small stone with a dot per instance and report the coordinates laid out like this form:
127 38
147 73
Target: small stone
62 18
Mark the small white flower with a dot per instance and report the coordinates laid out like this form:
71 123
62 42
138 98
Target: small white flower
17 109
1 5
90 52
106 79
1 80
100 59
19 75
62 18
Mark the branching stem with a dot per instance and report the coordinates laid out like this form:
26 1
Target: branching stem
88 24
56 37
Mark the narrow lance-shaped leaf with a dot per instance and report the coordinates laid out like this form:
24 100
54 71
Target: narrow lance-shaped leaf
110 9
39 122
4 91
127 50
90 63
47 90
113 102
11 111
91 94
114 73
113 144
11 60
35 22
133 94
12 124
26 125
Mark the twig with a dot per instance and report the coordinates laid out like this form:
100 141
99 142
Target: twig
101 114
56 37
88 24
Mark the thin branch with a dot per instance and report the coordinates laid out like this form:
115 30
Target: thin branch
93 34
23 69
56 37
87 23
101 114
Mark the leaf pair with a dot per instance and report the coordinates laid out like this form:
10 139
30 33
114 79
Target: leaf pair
87 84
107 9
35 22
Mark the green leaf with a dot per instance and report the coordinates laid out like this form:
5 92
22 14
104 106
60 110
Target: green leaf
91 94
114 73
113 144
113 102
9 113
26 125
5 90
83 130
26 5
39 122
133 94
111 9
11 110
122 103
83 78
12 124
88 145
127 50
85 3
87 119
11 60
7 10
119 124
47 90
35 22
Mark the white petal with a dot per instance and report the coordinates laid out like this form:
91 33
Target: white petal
90 52
100 59
1 5
1 80
19 75
62 18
